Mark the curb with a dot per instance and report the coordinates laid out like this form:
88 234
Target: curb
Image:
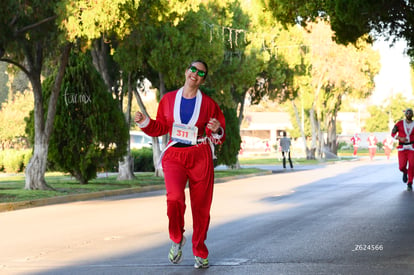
11 206
225 179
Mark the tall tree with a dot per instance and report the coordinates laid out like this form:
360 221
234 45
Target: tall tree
249 70
352 19
29 35
383 118
90 131
100 25
132 56
293 51
322 75
337 71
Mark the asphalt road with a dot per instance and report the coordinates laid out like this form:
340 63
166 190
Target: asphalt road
345 218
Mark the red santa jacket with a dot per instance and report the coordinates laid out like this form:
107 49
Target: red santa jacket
355 140
404 129
168 113
388 143
372 142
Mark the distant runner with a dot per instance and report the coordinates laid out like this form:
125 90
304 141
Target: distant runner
403 132
285 145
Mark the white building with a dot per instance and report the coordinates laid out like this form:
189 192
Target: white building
267 126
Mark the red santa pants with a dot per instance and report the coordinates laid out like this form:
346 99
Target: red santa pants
194 164
355 150
372 152
387 151
404 157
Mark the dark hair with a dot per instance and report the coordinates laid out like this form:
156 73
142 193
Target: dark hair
202 62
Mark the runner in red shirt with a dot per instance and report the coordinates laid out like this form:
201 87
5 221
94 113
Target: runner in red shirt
195 123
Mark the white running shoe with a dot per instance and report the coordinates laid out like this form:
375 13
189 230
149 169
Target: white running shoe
176 253
201 263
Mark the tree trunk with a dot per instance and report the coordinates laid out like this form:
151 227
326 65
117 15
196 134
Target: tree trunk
163 90
126 167
321 143
156 151
36 168
240 117
156 155
100 55
331 139
78 176
302 131
331 129
100 52
241 109
314 134
156 148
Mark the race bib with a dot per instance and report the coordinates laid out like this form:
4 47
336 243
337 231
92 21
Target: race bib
184 134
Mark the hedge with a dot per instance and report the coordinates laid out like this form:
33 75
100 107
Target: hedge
143 160
14 161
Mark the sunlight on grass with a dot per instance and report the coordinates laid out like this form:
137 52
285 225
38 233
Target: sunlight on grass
12 187
274 161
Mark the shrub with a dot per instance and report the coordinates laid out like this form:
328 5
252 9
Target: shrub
90 131
380 145
14 161
1 161
143 161
343 145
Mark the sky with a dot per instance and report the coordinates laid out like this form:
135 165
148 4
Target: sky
394 75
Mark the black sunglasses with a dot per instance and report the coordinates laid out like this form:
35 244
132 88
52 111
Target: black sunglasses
200 73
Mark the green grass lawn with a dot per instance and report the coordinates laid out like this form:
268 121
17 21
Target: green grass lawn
274 161
12 187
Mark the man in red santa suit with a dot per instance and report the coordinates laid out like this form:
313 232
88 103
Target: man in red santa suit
355 142
195 124
403 132
372 145
388 146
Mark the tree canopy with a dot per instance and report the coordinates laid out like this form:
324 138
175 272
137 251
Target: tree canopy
28 38
352 19
324 73
383 118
